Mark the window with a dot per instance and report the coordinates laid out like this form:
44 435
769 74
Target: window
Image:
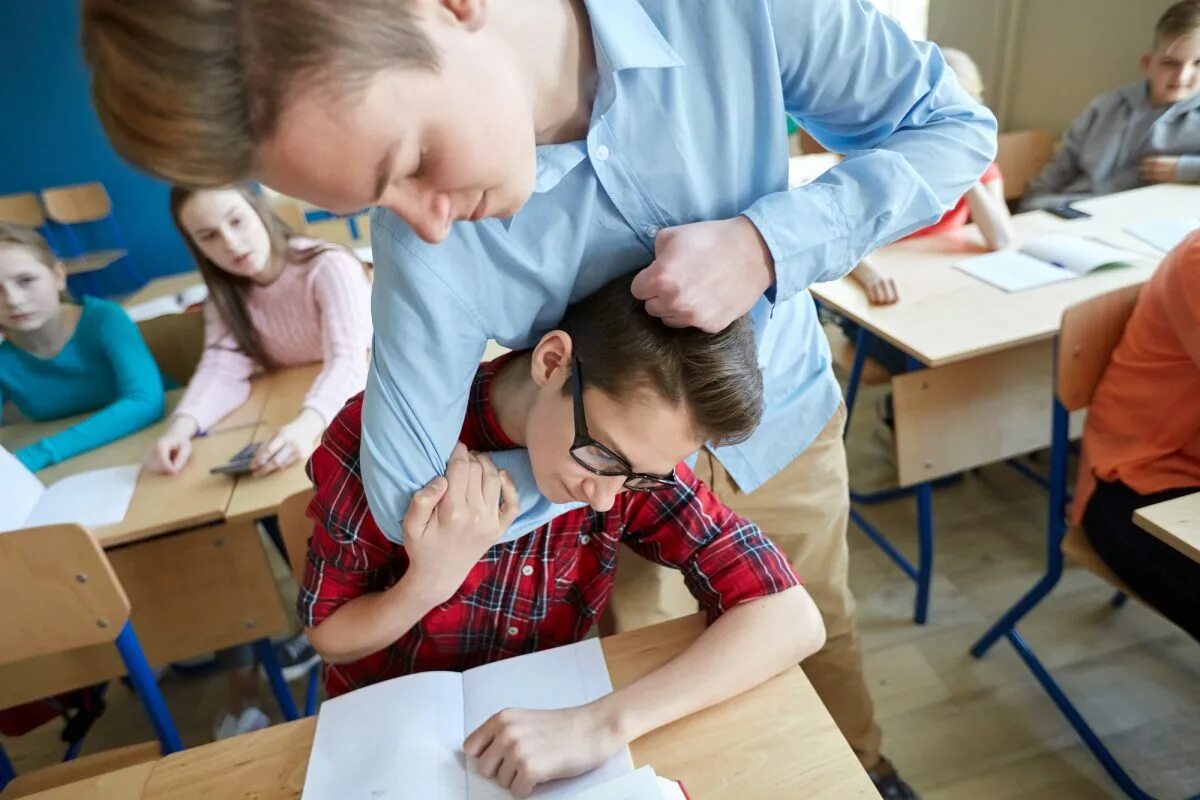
913 15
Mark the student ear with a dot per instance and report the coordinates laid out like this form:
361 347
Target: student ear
1147 59
550 355
60 276
471 14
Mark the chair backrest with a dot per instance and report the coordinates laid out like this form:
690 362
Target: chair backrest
1021 155
295 528
22 209
71 205
59 592
177 342
291 213
1090 332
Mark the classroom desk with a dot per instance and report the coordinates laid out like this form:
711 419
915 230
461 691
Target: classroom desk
774 742
1176 522
979 389
196 582
168 286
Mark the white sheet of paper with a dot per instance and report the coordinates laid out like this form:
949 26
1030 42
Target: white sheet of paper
158 307
91 499
1013 272
396 740
20 491
364 253
560 678
1074 253
1164 234
641 784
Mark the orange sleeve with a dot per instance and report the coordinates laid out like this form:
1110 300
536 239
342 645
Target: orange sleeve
1181 294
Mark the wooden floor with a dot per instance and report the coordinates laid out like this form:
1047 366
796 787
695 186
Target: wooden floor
959 729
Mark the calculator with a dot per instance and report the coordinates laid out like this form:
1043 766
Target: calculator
240 463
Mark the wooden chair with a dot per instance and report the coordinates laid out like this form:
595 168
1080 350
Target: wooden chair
295 530
82 204
290 212
69 597
176 341
25 209
1021 156
1090 333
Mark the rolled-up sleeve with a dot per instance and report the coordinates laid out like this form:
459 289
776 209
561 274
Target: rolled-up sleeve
914 141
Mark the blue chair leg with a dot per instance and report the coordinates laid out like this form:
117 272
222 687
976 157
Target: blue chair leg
283 695
146 687
73 750
860 359
1119 599
310 694
1090 739
7 773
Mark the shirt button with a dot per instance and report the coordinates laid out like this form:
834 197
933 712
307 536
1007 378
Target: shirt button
602 153
526 570
583 540
652 230
512 630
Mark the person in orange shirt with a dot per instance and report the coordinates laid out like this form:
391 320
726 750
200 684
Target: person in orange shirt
1141 443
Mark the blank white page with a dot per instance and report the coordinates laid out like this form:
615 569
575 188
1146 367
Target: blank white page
1164 234
396 740
641 784
559 678
20 491
1074 253
91 499
1013 272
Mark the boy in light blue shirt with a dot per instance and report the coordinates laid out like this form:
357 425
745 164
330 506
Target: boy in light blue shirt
525 153
1144 133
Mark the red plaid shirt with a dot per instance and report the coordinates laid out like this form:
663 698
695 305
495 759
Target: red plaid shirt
542 590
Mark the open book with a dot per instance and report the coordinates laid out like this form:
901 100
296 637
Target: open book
402 739
91 499
1048 259
642 784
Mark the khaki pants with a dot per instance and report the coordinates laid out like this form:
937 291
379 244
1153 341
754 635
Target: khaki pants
805 510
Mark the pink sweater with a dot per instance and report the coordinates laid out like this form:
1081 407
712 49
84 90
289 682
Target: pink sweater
319 311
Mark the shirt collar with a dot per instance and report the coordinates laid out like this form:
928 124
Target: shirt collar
481 412
626 37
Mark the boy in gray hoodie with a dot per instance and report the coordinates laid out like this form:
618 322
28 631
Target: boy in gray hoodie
1146 132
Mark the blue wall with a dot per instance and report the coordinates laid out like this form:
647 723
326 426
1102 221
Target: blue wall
49 134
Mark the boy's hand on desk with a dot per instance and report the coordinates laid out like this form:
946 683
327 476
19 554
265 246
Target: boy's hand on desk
454 520
706 274
522 748
1159 169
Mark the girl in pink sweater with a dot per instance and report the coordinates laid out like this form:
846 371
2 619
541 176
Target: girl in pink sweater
275 300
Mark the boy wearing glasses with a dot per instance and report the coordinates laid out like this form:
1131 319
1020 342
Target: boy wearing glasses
607 405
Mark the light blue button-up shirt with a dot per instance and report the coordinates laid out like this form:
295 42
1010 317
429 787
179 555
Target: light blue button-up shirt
688 125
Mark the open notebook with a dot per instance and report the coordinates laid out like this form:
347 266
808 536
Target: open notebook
641 784
402 738
1048 259
91 499
1164 234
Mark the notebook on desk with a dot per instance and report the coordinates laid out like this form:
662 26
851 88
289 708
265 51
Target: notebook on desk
1164 234
403 738
91 499
1046 260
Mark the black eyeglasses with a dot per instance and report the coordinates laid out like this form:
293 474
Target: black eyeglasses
598 459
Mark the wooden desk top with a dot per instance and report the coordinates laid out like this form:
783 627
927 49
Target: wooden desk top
945 315
122 784
774 742
167 286
160 503
1176 522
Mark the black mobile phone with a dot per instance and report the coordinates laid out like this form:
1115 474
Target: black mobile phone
239 464
1068 212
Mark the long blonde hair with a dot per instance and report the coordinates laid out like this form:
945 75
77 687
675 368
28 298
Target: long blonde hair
188 88
965 70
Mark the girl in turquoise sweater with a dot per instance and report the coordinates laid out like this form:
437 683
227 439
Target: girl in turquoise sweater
59 359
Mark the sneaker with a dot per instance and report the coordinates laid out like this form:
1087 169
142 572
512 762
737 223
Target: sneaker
228 726
296 657
889 784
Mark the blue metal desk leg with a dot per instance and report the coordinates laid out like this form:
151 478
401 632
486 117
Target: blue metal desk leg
924 550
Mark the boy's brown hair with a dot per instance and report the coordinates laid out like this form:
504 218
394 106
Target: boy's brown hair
623 350
1181 19
186 89
29 239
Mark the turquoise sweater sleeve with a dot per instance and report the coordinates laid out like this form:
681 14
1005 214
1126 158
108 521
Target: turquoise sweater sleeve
139 400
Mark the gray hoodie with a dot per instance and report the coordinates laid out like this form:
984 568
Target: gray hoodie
1103 150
